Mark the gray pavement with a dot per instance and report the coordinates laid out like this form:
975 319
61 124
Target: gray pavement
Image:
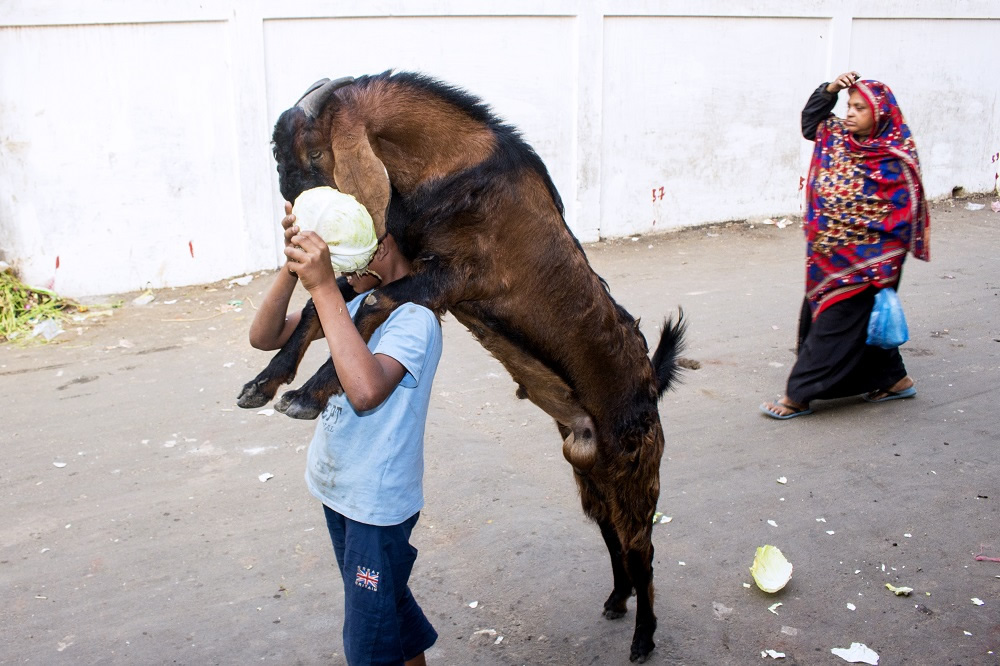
155 541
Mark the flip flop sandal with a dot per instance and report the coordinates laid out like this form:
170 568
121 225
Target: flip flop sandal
784 417
889 395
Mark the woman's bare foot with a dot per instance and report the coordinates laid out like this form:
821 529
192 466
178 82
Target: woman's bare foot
902 389
784 408
901 385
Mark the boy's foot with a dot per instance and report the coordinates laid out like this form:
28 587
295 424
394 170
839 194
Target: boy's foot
904 388
784 408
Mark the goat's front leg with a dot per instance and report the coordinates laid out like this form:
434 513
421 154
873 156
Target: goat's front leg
281 370
309 401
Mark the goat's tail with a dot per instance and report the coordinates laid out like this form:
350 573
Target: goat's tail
667 351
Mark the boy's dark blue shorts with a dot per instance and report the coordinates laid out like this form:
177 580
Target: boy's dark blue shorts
383 623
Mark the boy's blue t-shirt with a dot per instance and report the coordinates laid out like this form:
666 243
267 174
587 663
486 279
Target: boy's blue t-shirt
369 466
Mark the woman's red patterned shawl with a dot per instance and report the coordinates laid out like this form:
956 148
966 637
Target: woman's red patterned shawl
865 204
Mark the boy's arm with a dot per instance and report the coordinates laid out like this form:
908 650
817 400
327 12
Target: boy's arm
367 378
272 325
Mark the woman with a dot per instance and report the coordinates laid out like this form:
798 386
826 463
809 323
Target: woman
865 211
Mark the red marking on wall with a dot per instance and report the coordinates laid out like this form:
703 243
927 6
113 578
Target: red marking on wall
658 194
191 248
57 262
802 181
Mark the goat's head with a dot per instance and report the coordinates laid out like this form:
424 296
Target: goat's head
301 141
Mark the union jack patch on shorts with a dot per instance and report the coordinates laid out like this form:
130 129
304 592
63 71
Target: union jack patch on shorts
367 579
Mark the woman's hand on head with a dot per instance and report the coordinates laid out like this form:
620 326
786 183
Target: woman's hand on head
309 257
845 80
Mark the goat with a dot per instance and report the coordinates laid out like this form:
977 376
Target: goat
473 207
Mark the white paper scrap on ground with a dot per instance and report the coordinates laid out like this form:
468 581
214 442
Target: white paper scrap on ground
265 476
773 654
774 607
782 479
858 653
977 601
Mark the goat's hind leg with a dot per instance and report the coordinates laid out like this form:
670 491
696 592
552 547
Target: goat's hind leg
640 568
615 606
281 370
595 506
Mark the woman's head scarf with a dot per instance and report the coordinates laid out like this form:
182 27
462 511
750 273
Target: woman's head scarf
865 203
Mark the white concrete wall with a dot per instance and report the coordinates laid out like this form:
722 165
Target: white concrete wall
134 136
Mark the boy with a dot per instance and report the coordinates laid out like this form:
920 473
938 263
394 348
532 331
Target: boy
365 461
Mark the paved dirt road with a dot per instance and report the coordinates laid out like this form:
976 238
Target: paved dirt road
157 542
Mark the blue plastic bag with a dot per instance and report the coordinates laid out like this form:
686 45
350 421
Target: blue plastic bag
887 324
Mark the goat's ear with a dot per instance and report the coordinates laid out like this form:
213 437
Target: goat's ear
360 173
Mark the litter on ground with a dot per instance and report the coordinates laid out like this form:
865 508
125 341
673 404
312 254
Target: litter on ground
144 298
858 653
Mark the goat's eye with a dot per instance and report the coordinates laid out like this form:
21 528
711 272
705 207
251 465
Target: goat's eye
315 154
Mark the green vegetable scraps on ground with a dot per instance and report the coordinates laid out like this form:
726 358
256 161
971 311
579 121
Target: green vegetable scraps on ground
22 307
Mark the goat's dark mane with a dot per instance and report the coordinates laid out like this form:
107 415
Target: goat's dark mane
460 194
512 151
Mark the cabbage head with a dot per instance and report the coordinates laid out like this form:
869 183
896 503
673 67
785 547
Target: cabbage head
770 569
342 222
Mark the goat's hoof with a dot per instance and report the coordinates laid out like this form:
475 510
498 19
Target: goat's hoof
614 607
253 395
614 613
642 646
640 654
298 405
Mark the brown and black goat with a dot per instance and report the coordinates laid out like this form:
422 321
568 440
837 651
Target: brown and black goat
474 208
